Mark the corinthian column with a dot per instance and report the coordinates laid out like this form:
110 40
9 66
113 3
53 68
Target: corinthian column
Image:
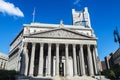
25 52
74 57
82 60
57 60
90 63
49 59
40 71
66 63
32 60
95 58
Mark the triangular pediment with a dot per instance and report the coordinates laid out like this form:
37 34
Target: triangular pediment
61 33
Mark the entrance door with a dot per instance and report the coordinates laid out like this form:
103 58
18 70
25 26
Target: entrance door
61 69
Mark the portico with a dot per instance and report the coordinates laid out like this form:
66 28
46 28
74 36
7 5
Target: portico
58 59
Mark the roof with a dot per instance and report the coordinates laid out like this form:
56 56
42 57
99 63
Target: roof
54 25
3 56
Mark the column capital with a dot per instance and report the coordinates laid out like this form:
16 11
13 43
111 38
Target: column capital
95 45
74 45
41 44
66 44
81 45
33 44
88 45
25 44
49 44
57 44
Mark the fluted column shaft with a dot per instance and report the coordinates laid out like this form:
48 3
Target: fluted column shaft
25 52
95 58
74 62
49 59
66 61
90 63
57 60
32 60
2 66
40 72
82 60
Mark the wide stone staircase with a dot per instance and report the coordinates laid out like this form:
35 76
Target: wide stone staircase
63 78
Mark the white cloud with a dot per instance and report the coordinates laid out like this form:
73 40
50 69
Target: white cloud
76 2
10 9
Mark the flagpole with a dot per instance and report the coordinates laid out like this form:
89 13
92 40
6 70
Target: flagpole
33 15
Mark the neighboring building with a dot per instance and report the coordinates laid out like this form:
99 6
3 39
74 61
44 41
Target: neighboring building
116 57
103 65
107 61
3 60
99 65
44 50
112 59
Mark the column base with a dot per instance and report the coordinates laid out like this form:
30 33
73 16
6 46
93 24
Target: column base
68 77
72 78
83 78
83 75
49 76
57 77
30 75
75 76
39 75
91 75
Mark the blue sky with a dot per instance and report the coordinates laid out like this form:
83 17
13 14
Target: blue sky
104 14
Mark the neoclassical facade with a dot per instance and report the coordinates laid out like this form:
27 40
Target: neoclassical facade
3 60
48 50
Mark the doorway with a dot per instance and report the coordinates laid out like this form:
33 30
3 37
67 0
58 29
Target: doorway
61 69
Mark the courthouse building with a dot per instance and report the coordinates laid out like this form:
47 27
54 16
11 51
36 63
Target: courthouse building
42 50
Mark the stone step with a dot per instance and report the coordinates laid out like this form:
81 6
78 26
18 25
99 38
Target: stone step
40 79
59 78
